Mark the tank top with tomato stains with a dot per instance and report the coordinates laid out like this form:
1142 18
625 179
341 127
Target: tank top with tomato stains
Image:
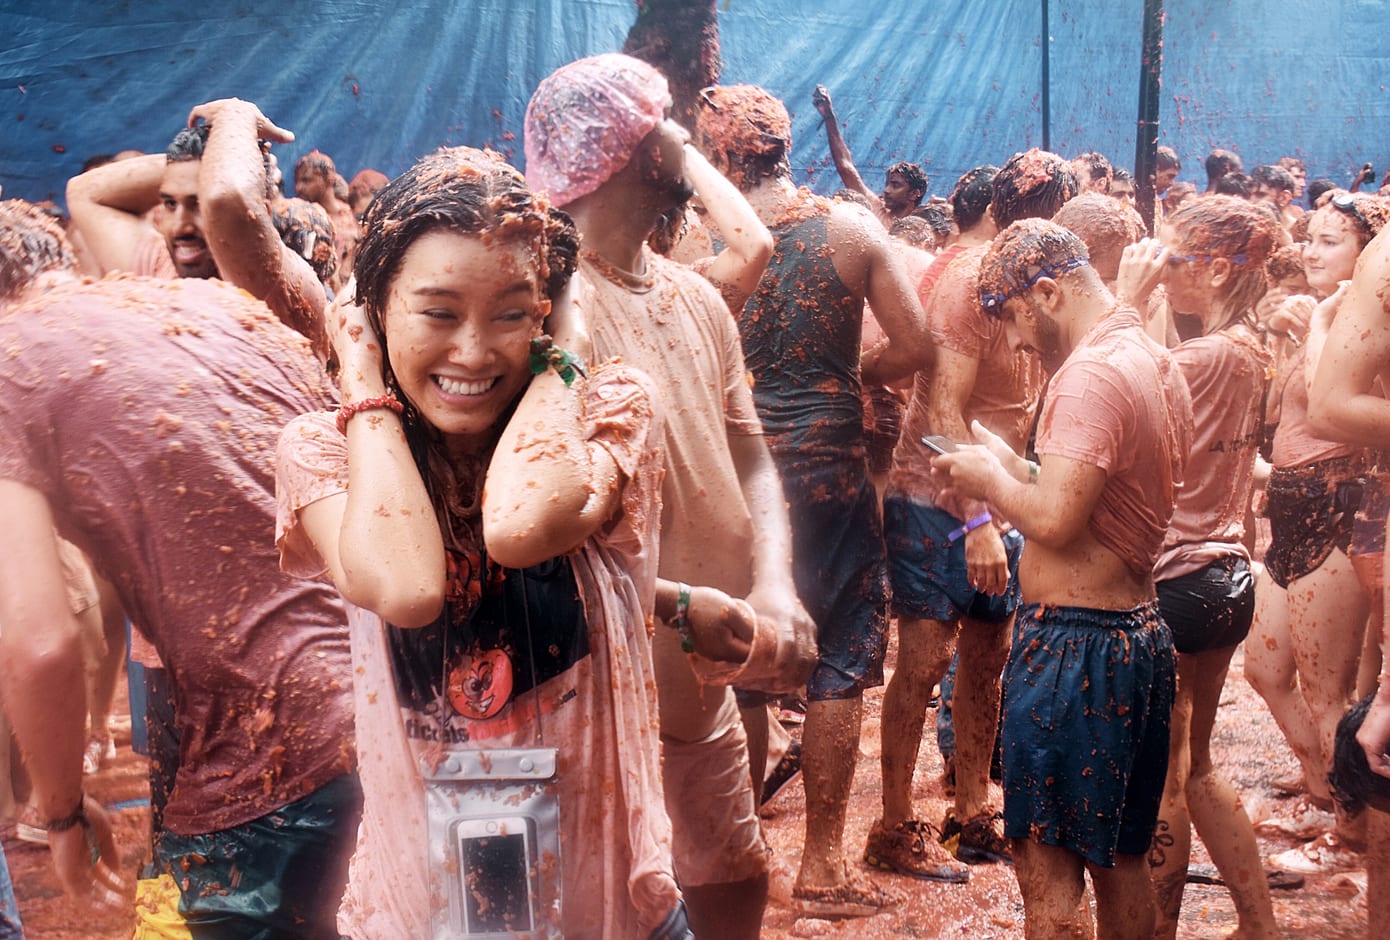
801 331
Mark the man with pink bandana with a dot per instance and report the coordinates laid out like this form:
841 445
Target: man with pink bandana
600 143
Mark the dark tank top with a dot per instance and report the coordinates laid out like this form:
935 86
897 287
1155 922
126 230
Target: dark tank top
801 333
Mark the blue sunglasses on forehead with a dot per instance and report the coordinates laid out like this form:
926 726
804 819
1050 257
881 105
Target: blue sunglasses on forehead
992 301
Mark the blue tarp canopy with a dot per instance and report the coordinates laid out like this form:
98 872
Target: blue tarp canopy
947 83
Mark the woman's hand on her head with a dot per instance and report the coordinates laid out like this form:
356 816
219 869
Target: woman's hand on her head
356 346
1141 269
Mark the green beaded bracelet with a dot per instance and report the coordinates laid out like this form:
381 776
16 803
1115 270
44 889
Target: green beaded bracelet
545 355
682 619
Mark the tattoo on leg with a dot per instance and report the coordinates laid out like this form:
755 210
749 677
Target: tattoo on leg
1169 891
1162 841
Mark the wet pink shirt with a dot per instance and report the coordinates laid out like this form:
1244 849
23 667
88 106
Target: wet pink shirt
1295 444
147 411
673 325
601 712
1007 384
1120 403
1226 377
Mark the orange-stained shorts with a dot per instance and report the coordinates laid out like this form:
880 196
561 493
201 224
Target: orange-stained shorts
717 838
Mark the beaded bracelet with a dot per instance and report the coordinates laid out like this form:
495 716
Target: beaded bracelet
681 621
545 354
346 412
970 526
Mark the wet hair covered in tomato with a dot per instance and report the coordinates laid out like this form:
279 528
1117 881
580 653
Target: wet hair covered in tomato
1025 251
1031 185
1231 228
746 132
31 243
472 192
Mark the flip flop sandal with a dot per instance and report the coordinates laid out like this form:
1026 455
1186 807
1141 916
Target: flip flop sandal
1279 880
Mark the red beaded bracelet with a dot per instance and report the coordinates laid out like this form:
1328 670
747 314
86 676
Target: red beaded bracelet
346 412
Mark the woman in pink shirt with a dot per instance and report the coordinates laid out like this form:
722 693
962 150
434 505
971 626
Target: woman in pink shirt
1206 592
488 509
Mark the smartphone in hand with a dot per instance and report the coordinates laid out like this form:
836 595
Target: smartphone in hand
940 444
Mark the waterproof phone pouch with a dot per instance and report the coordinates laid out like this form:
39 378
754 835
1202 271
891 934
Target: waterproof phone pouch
494 823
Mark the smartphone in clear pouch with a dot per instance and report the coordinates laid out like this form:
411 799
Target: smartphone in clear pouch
495 856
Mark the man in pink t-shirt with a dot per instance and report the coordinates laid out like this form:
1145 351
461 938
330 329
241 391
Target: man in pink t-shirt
1090 681
140 421
954 567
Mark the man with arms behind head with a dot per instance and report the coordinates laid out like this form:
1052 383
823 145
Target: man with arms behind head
1092 661
213 221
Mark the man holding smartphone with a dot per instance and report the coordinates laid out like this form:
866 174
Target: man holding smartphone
1090 682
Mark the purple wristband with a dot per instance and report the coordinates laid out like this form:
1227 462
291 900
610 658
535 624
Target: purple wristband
971 526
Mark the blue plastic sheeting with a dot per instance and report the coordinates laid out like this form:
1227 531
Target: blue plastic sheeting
948 83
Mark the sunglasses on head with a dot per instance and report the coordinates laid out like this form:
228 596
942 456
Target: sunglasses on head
1346 202
993 302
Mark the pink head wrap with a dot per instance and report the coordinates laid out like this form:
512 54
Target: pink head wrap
585 121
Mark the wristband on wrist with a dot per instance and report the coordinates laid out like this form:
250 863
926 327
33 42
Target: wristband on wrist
545 355
1033 470
681 621
77 817
346 412
970 526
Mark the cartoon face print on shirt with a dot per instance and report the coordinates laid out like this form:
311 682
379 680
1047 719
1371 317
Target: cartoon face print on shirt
502 633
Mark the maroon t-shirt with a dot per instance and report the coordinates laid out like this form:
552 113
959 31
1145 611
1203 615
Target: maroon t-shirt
147 412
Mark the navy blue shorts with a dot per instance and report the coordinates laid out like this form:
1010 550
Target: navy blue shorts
1211 608
840 569
1088 696
928 571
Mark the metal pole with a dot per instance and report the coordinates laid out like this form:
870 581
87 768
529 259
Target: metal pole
1046 83
1146 137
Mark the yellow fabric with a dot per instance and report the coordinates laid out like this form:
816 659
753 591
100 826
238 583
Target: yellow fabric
157 910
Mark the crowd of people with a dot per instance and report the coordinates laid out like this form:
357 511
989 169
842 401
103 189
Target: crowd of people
474 528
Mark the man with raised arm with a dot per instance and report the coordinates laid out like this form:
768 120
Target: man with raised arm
801 334
1090 681
904 183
